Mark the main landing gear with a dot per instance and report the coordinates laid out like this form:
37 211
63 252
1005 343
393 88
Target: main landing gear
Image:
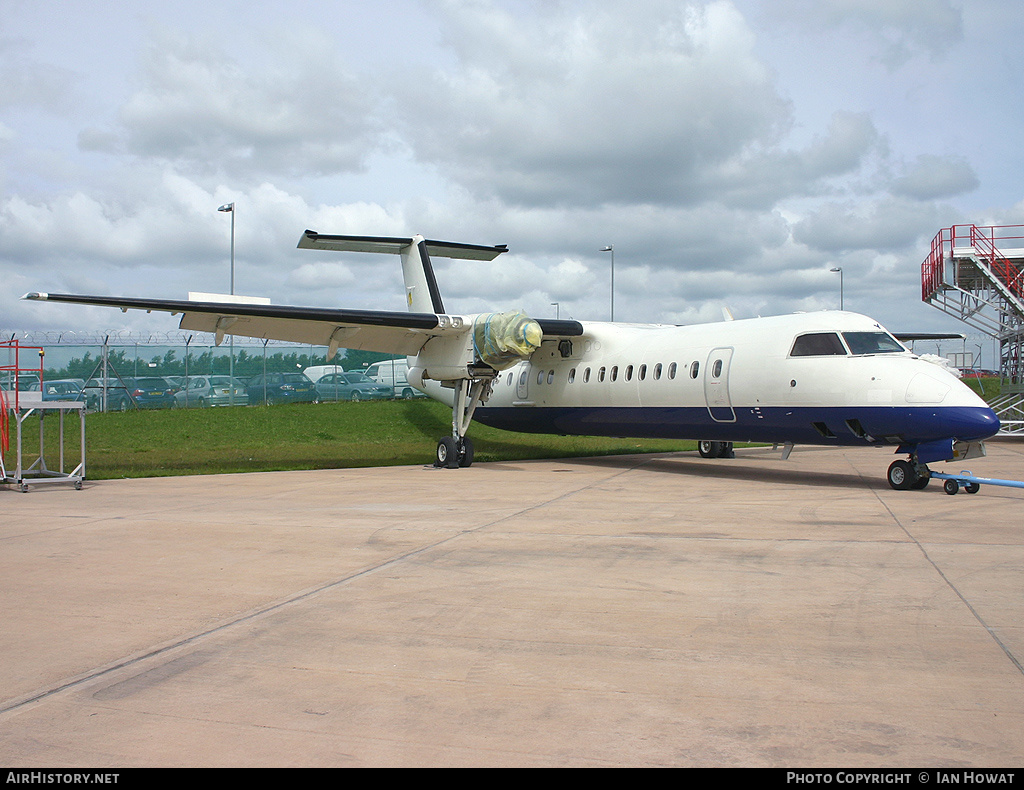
453 453
457 450
908 475
708 449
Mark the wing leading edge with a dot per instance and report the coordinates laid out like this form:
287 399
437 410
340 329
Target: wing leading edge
384 331
372 330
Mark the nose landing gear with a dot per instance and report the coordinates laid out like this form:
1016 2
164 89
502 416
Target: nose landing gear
908 475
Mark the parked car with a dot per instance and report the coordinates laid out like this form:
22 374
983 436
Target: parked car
281 388
25 381
62 389
151 392
979 373
351 386
117 395
146 392
203 391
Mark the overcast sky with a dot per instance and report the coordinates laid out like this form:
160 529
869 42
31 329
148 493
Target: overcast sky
733 151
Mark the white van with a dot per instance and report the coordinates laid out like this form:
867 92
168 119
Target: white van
394 373
317 372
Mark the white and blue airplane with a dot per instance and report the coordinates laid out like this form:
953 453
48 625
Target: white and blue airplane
825 378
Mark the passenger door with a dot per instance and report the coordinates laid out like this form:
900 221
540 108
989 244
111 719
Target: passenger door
716 385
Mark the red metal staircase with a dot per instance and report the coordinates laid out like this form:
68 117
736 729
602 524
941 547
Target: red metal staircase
976 273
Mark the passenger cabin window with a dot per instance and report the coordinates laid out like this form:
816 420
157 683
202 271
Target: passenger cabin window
871 343
819 344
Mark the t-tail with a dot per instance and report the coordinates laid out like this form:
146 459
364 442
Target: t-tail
421 291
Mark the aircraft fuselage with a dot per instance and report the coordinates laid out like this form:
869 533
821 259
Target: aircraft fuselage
737 381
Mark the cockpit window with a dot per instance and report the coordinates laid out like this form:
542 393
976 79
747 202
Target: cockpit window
817 345
871 343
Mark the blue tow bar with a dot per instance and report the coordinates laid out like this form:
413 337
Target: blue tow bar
971 483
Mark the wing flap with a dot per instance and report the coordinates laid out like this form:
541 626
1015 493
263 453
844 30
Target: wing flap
385 339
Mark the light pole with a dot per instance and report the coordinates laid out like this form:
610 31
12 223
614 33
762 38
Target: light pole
555 305
611 248
230 208
840 270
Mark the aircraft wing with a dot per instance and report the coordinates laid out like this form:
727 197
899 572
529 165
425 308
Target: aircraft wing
383 331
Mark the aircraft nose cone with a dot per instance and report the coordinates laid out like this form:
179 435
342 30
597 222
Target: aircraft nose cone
978 424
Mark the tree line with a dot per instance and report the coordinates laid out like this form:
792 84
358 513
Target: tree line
206 362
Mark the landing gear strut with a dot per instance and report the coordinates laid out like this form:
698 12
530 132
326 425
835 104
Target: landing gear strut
457 450
908 475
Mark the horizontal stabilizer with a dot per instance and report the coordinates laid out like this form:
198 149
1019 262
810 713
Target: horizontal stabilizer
311 240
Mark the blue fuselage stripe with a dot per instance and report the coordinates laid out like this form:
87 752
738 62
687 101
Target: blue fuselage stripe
802 425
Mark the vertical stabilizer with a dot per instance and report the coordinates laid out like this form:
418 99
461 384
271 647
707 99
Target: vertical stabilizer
421 290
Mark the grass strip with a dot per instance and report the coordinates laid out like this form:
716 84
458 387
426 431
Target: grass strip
167 442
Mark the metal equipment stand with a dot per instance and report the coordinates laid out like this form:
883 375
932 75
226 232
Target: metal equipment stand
20 400
37 472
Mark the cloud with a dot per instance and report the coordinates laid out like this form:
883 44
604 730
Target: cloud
25 82
901 29
731 156
302 113
763 178
885 224
932 177
628 103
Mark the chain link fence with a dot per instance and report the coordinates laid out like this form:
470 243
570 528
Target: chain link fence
107 359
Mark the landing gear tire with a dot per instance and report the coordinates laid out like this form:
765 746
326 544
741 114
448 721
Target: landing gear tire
709 449
447 453
465 453
922 482
902 476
